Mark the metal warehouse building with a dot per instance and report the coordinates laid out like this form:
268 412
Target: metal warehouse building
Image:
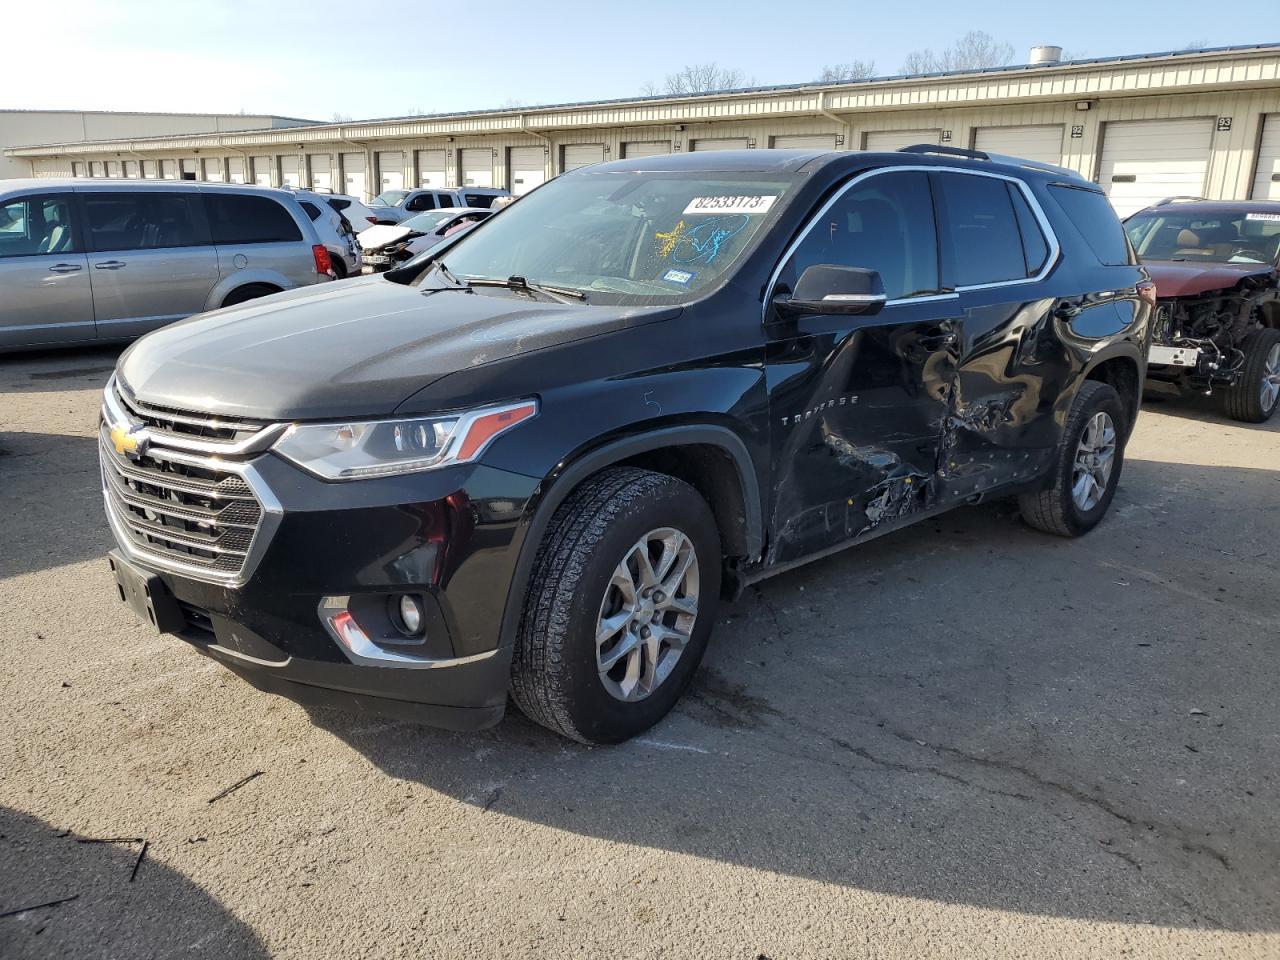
1147 126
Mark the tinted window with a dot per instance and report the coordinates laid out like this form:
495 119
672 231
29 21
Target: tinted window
339 204
985 245
1034 246
423 201
484 200
143 221
310 209
1091 213
33 226
885 224
245 219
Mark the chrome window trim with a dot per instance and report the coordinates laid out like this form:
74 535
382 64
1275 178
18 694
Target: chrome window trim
1051 261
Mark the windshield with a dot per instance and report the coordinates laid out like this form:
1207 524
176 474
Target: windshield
426 222
633 238
390 198
1228 237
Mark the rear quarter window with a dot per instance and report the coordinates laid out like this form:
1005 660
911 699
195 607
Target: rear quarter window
240 218
310 209
1091 213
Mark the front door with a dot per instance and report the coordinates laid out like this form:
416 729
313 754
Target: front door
45 295
151 258
859 403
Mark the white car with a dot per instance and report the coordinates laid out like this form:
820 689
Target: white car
388 245
358 215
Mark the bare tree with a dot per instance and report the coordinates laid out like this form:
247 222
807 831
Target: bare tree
1195 45
853 70
697 78
342 118
974 51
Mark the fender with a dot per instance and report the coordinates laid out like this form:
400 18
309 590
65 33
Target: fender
242 278
558 485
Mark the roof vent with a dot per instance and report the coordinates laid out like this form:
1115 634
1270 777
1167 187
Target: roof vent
1045 54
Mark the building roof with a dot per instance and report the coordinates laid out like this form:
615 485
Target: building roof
1183 71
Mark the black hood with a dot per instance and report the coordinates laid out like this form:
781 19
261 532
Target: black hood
356 348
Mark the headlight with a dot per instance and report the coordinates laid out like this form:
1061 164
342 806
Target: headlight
383 448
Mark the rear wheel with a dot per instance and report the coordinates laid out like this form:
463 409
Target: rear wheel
619 608
1255 397
1086 466
250 291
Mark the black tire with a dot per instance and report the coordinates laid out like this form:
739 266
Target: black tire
339 266
1243 402
1053 509
250 291
555 680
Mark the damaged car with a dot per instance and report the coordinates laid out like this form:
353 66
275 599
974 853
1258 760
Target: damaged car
534 460
387 245
1217 325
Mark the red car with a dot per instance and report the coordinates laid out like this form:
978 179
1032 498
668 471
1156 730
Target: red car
1217 327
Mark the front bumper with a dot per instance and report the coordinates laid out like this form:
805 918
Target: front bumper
449 537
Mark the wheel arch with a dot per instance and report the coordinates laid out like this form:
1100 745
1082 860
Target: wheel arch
706 456
1123 371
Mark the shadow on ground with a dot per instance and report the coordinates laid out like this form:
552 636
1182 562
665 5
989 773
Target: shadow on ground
47 371
968 711
160 914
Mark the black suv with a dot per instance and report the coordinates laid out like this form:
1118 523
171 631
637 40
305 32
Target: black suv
535 459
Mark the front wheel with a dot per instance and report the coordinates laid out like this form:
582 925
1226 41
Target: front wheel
1086 466
1255 397
620 605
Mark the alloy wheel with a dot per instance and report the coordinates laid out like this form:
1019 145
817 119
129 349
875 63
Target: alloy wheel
1095 459
647 614
1271 379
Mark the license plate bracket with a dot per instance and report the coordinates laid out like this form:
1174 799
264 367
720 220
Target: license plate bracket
146 595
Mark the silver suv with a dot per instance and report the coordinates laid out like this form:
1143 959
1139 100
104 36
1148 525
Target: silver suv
85 261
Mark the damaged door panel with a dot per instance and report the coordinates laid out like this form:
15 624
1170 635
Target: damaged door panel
858 403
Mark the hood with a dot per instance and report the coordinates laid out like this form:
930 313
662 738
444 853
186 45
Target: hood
356 348
382 235
1176 278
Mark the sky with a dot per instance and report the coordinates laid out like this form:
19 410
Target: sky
323 62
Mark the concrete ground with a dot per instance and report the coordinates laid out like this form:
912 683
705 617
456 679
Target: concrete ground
967 739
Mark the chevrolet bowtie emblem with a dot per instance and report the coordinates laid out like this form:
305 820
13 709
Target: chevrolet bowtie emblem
127 443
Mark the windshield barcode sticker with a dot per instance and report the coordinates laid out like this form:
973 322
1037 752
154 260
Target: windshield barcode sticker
1272 217
717 205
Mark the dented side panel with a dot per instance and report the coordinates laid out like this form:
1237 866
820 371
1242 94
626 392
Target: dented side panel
858 407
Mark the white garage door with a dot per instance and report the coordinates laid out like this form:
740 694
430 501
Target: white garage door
582 154
1042 143
526 168
261 170
477 167
889 140
168 170
431 168
321 171
821 141
290 171
235 170
390 170
720 143
646 148
113 168
1147 160
1266 182
150 169
130 169
353 176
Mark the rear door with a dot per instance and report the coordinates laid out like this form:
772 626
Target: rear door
999 255
151 257
44 274
858 402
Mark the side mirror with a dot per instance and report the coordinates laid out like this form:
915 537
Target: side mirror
828 288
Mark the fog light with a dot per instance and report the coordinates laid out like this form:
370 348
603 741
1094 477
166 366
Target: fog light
410 615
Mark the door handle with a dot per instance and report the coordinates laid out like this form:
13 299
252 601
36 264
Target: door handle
64 268
109 265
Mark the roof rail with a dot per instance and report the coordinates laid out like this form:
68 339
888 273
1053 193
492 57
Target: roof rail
1178 199
994 158
944 151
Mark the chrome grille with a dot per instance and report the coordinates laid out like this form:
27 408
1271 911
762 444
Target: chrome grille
172 510
184 496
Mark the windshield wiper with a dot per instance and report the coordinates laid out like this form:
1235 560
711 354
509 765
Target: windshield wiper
520 284
448 275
